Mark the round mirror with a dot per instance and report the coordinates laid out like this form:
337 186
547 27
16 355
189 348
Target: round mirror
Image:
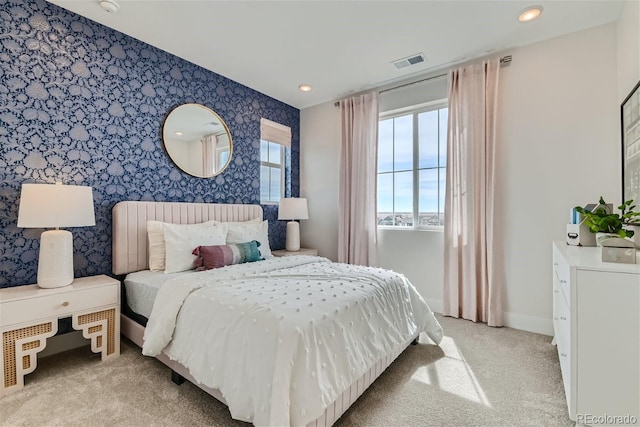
197 140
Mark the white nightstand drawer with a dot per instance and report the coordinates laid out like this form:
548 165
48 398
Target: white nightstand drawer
58 304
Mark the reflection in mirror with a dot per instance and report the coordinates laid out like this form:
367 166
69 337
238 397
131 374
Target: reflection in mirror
197 140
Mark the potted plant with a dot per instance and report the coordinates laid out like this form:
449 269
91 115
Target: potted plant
600 220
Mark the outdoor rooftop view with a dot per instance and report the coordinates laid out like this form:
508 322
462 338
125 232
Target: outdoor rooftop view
405 219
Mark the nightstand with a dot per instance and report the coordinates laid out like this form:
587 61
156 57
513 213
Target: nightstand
302 251
29 315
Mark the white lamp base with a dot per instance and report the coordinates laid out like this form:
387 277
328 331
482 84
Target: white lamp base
293 236
55 262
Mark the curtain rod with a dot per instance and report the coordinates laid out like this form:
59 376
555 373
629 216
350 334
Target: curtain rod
503 61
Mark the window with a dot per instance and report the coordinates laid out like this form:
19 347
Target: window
412 158
271 172
274 140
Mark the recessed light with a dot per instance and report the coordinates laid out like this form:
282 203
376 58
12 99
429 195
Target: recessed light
179 133
305 88
530 13
110 6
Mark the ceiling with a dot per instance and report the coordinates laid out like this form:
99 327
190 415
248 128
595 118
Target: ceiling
338 47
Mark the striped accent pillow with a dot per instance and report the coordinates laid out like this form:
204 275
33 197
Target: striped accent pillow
220 255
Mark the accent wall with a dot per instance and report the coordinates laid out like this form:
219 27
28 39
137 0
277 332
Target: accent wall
83 104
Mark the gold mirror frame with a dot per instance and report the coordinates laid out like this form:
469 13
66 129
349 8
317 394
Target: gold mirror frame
197 140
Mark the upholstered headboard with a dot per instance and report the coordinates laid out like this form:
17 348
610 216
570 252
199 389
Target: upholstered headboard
130 243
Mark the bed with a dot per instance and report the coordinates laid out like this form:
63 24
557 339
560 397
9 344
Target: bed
284 341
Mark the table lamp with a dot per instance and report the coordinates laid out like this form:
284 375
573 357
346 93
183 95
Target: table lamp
55 205
292 209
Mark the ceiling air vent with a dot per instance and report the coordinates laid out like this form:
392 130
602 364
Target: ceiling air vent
409 60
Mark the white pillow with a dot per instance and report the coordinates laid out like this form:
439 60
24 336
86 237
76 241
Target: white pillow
241 232
180 240
155 234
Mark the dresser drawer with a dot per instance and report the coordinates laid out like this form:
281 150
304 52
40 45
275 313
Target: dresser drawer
562 275
565 369
56 305
562 327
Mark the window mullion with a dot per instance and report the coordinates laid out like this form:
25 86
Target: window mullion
438 169
416 180
282 173
393 175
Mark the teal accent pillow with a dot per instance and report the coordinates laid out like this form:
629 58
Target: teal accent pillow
217 256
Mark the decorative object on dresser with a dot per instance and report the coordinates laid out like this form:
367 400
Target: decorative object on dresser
29 315
293 209
55 205
615 249
596 319
578 233
301 251
613 231
603 220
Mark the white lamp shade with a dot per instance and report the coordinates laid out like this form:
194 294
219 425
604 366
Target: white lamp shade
55 205
293 208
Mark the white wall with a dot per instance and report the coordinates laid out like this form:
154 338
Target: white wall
628 40
559 147
419 255
319 177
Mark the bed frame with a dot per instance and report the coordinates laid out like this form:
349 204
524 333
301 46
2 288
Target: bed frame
130 254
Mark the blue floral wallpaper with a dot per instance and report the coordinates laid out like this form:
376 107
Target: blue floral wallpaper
83 104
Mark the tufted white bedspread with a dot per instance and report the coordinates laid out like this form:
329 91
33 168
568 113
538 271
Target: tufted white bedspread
282 338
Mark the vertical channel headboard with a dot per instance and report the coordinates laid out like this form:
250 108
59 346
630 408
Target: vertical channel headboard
130 245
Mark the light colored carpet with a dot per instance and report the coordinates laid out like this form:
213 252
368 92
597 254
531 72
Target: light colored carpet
479 376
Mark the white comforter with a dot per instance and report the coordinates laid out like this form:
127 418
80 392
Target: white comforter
283 338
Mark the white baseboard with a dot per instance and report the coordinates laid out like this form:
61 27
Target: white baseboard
64 342
539 325
522 322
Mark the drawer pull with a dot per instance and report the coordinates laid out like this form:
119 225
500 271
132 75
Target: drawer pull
563 354
563 318
65 304
555 318
563 281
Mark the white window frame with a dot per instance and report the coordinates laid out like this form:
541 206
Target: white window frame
415 110
280 166
274 133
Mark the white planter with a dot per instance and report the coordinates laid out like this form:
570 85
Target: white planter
636 236
600 237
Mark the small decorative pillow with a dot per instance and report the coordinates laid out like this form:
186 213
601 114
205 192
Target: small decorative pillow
220 255
239 232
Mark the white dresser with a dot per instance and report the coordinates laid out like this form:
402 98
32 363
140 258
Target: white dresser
596 319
